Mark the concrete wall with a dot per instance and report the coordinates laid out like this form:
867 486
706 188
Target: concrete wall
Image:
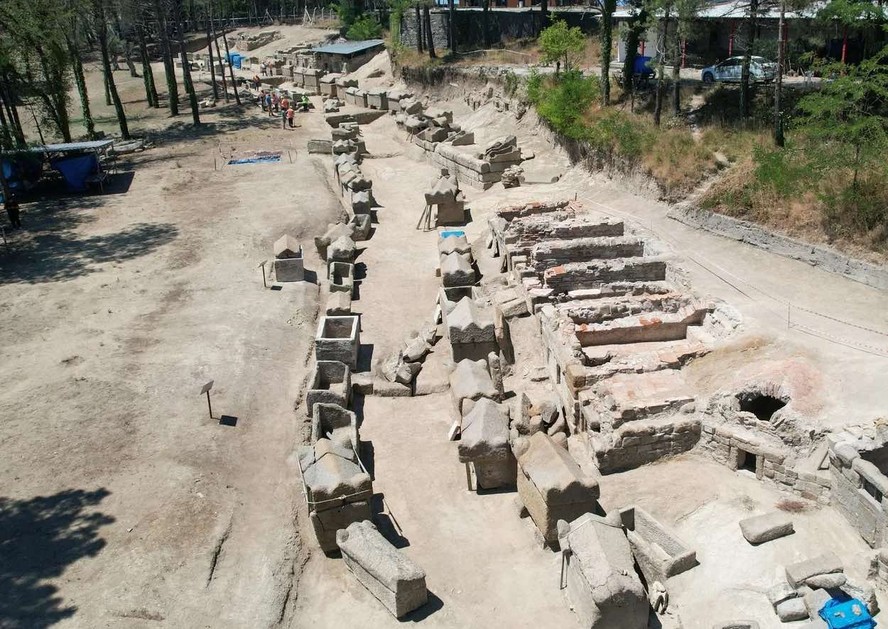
502 25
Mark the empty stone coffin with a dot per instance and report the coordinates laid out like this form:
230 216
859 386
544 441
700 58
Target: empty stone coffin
341 276
330 383
552 486
389 574
471 331
658 551
602 585
339 425
484 445
338 338
338 490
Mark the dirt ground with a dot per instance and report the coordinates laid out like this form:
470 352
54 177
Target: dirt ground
125 505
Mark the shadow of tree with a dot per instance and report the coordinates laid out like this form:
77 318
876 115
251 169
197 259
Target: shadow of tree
50 249
39 538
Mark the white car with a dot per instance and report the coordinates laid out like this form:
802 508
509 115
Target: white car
730 70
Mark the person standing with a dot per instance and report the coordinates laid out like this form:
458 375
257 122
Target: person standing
285 103
290 113
13 212
268 104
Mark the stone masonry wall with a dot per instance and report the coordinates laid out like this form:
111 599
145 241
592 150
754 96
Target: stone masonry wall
725 444
860 508
641 442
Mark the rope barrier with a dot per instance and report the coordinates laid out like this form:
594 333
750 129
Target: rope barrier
723 275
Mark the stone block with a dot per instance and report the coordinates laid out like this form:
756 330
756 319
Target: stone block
602 585
387 573
361 227
552 486
791 609
485 444
764 528
798 573
471 380
289 270
828 581
456 270
338 303
815 600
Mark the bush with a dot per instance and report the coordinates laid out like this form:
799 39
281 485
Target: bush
365 27
565 103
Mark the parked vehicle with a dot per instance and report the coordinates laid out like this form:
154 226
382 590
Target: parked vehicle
730 70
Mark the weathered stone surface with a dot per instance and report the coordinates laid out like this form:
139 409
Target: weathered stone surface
457 271
470 380
384 388
416 350
736 624
792 609
338 303
339 425
391 576
361 227
454 243
601 581
288 270
485 433
764 528
341 250
389 367
659 552
827 581
330 383
815 600
469 323
552 485
338 338
862 591
800 572
780 592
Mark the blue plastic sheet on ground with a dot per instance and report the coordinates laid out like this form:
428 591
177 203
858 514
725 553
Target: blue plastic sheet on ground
850 614
235 60
77 169
262 159
452 232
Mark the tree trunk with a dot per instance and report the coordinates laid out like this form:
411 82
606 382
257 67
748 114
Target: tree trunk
128 51
745 96
451 25
212 67
779 139
633 37
419 30
186 67
102 29
169 67
108 101
544 15
607 27
485 22
219 54
430 40
80 80
676 74
230 68
661 70
55 97
147 72
10 98
6 141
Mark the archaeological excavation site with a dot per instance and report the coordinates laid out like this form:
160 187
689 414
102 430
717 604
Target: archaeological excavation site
478 384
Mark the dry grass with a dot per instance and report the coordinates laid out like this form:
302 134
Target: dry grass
790 505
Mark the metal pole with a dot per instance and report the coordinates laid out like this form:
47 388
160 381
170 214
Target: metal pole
209 406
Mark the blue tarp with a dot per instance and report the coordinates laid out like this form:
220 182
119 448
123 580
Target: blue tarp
76 169
850 614
235 60
262 159
21 172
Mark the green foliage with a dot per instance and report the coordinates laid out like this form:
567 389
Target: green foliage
848 116
365 27
510 83
614 131
348 12
779 170
558 43
566 101
534 86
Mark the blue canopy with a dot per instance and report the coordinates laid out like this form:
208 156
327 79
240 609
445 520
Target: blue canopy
77 169
850 614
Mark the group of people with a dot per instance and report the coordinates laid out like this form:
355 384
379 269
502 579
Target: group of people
281 105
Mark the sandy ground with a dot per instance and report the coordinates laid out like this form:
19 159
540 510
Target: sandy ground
125 505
